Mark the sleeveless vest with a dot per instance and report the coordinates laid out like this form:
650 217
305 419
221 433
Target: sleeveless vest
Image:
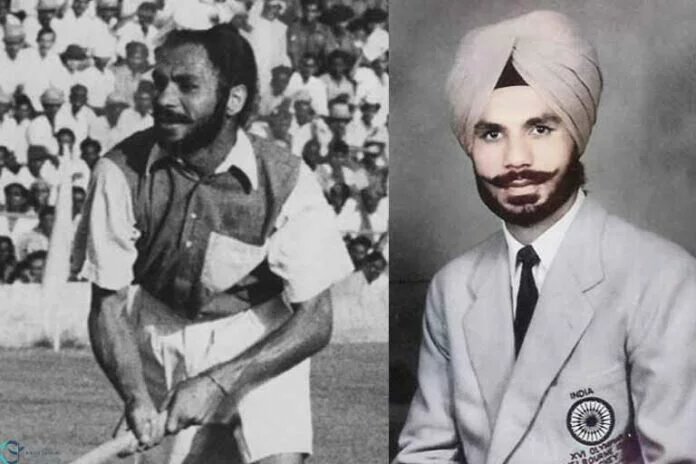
199 234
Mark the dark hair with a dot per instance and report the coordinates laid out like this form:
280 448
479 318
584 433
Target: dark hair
45 30
24 190
374 257
230 54
22 99
5 149
78 189
46 210
65 130
361 240
8 240
78 87
34 255
89 141
145 86
311 55
147 6
338 53
133 46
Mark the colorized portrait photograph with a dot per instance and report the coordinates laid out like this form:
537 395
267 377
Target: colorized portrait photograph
543 284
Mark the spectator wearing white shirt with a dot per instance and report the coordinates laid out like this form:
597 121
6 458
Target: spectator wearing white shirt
12 64
38 238
90 152
44 68
108 12
305 80
377 42
10 171
335 80
375 209
23 115
42 129
42 167
141 29
363 127
77 116
16 220
374 80
127 76
346 208
302 127
280 77
139 117
102 53
9 132
268 38
77 27
45 18
107 129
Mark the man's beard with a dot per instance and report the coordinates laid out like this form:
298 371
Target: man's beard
201 135
572 180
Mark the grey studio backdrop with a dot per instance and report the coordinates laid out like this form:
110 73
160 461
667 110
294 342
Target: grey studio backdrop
640 162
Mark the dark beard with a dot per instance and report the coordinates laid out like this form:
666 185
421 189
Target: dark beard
572 180
200 136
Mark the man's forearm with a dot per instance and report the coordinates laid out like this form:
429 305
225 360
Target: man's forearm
114 344
305 333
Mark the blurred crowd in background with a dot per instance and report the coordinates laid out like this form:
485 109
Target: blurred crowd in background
75 79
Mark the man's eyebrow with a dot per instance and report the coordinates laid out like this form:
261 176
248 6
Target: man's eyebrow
544 119
487 126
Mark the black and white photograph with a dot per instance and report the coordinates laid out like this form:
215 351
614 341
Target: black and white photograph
543 189
194 248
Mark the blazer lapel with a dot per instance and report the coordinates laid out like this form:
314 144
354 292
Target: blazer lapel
561 317
488 326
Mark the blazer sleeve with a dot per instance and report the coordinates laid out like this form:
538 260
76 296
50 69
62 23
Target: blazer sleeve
662 357
429 435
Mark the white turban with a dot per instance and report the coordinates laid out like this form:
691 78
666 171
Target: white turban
547 51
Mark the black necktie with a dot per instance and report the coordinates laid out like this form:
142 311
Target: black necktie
527 295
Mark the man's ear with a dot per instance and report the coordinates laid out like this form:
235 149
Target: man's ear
236 100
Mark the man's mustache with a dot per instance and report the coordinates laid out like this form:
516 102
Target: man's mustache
506 180
163 115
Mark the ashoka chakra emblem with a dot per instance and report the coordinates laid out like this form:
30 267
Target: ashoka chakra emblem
590 421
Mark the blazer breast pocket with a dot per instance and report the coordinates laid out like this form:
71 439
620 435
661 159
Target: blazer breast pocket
588 413
228 260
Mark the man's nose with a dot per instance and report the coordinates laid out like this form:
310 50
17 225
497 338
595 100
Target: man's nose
518 153
167 96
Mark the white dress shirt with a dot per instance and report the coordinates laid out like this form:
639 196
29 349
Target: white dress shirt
316 89
546 246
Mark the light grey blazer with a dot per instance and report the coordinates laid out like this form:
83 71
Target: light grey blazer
607 372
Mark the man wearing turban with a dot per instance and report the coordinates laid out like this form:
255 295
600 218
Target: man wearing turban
568 336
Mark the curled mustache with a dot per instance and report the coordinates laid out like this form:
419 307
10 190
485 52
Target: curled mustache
506 180
163 115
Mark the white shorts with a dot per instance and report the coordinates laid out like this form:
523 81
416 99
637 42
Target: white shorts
274 418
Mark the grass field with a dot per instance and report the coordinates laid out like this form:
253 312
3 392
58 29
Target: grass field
58 406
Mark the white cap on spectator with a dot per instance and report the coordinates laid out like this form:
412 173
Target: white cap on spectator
195 16
115 98
13 31
5 97
53 96
302 95
48 5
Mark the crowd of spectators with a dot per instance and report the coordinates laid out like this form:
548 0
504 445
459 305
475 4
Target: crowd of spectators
75 79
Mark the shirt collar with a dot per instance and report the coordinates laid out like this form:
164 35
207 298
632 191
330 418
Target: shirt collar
241 156
547 244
